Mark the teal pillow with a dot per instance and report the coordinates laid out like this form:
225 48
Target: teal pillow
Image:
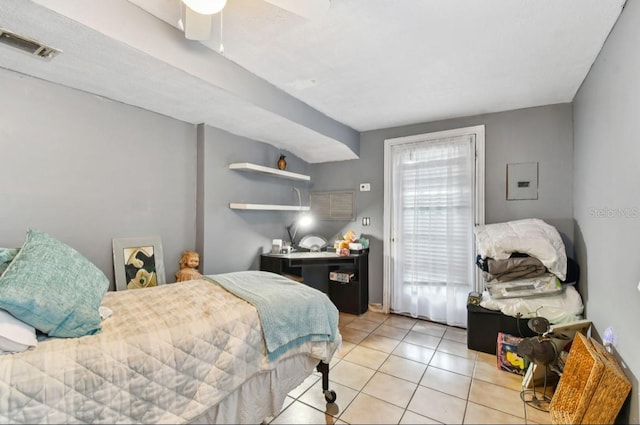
53 288
6 257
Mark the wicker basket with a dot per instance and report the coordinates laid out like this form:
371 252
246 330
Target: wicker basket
592 387
612 391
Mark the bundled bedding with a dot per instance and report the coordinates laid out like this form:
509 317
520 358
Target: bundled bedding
524 265
531 237
176 353
544 285
563 307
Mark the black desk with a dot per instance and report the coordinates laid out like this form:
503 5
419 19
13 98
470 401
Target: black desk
313 270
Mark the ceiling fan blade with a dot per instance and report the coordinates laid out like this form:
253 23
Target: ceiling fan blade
197 26
310 9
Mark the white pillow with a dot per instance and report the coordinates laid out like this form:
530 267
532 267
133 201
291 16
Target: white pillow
15 335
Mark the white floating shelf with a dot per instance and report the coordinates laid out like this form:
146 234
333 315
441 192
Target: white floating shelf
247 166
266 207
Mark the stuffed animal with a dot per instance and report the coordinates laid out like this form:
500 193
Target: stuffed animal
350 236
342 245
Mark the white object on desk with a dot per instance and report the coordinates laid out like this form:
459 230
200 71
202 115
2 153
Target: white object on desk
276 246
312 242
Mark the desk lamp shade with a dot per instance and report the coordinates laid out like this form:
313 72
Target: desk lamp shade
539 325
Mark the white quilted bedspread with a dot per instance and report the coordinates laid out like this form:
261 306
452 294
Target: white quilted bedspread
165 355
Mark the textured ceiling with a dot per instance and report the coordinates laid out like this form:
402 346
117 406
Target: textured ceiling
310 86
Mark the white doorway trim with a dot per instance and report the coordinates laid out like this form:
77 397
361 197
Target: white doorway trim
479 132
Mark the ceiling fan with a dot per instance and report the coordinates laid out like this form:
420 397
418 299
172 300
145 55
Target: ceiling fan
198 14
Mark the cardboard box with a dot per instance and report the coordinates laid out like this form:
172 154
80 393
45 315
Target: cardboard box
341 276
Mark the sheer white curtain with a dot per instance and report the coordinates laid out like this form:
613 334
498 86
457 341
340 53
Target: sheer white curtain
432 228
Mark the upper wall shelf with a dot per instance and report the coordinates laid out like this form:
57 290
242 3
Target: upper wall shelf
247 166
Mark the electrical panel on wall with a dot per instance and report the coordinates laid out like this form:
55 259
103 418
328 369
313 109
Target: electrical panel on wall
522 181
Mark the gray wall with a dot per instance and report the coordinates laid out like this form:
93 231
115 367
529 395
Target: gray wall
86 170
232 240
606 195
542 135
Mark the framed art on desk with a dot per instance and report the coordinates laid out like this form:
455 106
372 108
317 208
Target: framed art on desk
138 262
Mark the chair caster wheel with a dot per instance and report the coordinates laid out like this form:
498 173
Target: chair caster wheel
330 396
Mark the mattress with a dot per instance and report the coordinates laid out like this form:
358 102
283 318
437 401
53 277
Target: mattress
168 354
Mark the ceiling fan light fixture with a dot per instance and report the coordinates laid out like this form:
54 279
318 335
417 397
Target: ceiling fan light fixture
205 7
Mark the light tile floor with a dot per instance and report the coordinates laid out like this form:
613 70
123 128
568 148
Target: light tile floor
398 370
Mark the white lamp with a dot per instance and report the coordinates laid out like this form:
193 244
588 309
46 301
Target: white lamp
206 7
304 220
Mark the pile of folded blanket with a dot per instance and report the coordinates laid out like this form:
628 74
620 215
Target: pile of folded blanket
517 266
521 257
527 272
530 237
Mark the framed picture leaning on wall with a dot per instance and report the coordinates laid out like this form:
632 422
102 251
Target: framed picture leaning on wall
138 262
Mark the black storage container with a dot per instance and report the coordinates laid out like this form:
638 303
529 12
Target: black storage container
483 326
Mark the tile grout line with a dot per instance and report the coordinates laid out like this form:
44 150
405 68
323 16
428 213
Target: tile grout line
441 340
406 408
428 364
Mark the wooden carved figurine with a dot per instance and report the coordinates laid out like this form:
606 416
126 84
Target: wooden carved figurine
189 263
282 164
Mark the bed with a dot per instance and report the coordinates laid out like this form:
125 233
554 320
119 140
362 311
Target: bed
527 273
188 352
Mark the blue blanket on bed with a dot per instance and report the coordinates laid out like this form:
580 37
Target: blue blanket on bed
290 313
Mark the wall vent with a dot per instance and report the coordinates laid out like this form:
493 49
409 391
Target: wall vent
334 205
27 45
